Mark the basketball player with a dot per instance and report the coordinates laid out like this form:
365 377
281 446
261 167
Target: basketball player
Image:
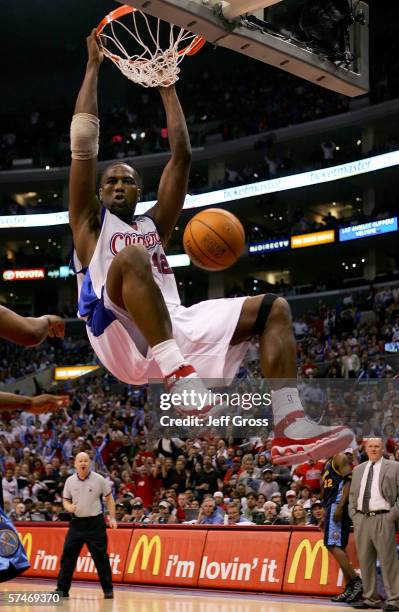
336 480
26 331
30 331
128 294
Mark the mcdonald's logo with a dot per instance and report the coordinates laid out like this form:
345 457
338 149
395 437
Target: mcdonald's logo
146 545
310 559
26 541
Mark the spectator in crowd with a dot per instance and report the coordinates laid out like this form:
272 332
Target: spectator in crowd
233 473
164 515
305 498
235 517
56 511
137 511
250 477
286 509
277 499
317 513
209 514
350 364
309 474
268 486
219 502
19 514
299 516
120 511
181 507
10 485
251 507
272 515
207 480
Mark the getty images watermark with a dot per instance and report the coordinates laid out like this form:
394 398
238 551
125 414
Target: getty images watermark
212 409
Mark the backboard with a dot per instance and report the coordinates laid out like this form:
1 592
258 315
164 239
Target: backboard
213 20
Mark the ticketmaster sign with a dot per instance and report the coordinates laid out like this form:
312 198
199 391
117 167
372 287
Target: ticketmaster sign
222 196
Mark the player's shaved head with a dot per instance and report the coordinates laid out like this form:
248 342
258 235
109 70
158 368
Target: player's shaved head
120 190
123 166
342 463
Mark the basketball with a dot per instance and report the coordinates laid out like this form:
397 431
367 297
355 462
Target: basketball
214 239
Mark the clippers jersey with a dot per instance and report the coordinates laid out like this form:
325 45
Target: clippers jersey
203 331
115 235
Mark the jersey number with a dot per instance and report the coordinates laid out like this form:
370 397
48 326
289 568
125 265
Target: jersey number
161 263
328 483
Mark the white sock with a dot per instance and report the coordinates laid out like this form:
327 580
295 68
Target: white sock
285 401
168 356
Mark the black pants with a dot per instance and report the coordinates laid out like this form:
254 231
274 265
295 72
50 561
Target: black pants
90 531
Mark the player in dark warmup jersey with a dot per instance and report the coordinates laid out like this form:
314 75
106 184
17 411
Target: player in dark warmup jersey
25 331
336 480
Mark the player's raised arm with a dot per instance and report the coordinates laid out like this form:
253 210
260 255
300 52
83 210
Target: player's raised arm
173 185
83 203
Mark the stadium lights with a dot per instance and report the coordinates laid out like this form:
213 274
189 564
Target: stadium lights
232 194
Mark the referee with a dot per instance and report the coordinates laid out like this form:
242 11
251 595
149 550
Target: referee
82 498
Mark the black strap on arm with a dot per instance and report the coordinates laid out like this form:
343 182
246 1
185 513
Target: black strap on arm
264 312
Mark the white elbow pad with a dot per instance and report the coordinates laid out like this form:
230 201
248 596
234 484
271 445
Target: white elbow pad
85 130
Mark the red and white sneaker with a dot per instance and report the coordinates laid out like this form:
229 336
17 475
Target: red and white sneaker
195 398
298 439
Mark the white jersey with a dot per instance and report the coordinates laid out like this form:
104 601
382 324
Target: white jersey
203 332
115 235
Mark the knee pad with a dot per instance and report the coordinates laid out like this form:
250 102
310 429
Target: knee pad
264 311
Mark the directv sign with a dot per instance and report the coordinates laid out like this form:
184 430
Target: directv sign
373 228
271 245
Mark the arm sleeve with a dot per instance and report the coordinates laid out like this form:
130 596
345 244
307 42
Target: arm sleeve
106 487
66 493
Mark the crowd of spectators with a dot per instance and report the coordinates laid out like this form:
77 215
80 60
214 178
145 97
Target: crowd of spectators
351 338
213 108
345 341
225 478
17 361
218 481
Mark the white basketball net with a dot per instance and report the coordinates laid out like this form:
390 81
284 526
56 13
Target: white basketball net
151 66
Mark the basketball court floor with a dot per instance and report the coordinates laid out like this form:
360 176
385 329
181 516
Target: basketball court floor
86 597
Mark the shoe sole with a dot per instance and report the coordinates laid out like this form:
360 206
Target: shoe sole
320 449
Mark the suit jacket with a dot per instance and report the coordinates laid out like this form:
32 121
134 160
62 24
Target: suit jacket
388 483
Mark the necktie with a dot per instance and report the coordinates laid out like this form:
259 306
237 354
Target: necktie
367 490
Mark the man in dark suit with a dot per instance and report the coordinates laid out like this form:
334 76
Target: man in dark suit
374 509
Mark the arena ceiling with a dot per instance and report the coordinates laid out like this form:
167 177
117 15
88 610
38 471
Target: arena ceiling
41 32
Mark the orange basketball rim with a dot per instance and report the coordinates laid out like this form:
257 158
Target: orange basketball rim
153 65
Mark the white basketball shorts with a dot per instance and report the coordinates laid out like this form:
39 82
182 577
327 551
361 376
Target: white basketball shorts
203 333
